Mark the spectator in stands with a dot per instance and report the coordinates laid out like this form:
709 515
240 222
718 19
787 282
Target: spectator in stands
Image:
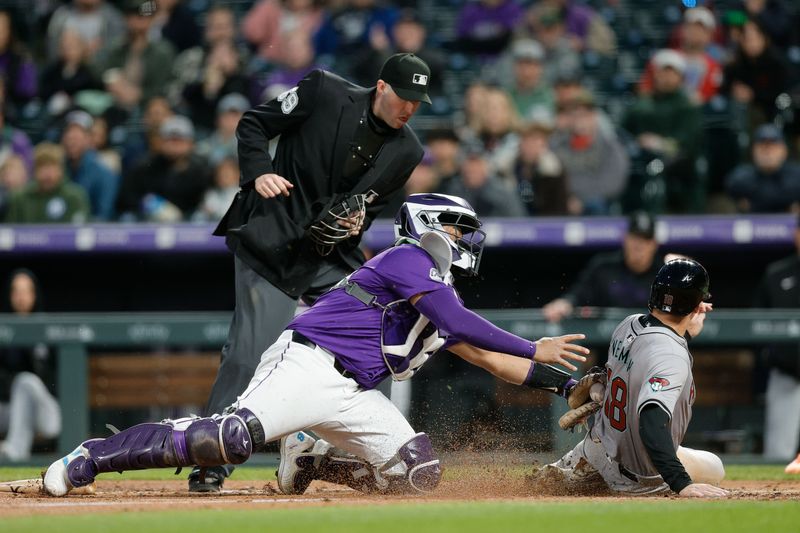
107 155
757 75
218 198
667 127
221 74
167 186
497 133
567 88
771 183
351 25
13 178
594 158
423 178
615 279
703 75
545 23
469 123
28 407
269 22
12 140
85 168
485 27
443 146
97 22
16 65
409 36
773 16
175 22
297 62
222 142
139 146
189 65
531 95
541 179
485 192
49 198
780 288
135 68
587 29
67 75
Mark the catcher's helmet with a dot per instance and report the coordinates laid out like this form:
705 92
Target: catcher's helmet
426 212
679 287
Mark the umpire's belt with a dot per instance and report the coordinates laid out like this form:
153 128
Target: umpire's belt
299 338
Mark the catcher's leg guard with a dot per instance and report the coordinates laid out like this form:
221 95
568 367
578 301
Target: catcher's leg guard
421 472
172 443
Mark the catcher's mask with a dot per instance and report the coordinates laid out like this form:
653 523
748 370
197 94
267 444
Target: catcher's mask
329 230
426 212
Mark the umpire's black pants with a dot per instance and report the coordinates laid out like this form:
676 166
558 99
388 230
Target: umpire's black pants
262 312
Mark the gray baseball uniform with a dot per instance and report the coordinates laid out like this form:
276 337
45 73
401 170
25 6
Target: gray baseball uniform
647 364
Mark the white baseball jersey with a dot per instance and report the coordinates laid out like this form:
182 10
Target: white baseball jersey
648 364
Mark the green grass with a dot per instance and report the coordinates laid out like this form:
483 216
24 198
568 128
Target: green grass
247 473
468 517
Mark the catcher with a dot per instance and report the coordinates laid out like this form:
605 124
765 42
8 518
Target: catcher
386 319
634 440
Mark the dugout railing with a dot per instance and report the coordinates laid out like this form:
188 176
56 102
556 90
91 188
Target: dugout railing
73 336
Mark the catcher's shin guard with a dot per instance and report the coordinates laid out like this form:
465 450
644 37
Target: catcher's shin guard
172 443
422 472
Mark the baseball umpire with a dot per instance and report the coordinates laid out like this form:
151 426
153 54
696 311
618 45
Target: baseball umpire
634 443
294 228
385 319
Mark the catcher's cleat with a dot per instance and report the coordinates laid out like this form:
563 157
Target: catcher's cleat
794 466
71 471
207 479
296 469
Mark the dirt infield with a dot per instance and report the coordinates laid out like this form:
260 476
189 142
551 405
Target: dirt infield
493 484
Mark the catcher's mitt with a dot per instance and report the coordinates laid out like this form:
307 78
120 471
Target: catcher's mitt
579 394
573 417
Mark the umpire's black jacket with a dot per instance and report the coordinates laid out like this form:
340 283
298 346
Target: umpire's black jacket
780 288
316 122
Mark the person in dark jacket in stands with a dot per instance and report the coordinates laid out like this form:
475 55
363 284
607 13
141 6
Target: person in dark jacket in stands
780 288
27 405
169 185
771 183
615 279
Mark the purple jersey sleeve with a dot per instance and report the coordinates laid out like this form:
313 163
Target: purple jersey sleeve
408 271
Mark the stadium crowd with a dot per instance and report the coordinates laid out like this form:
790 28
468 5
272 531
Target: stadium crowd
127 109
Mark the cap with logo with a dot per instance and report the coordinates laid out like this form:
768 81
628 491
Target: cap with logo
79 118
642 224
177 127
768 133
409 77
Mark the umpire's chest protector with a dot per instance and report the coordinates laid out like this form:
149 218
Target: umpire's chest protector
316 122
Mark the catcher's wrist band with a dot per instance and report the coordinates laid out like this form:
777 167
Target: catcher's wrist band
546 377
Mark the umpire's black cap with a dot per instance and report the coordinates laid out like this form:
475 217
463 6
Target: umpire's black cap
642 224
409 77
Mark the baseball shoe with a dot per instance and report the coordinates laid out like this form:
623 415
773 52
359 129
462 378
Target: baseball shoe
296 469
794 466
208 479
69 472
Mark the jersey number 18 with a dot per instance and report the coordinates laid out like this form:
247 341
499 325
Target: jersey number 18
614 408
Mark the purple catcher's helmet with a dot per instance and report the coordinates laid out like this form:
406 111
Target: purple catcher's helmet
422 213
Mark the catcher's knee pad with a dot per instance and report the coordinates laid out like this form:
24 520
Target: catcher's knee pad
213 441
423 471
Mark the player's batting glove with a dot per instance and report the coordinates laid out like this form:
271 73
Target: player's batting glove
580 394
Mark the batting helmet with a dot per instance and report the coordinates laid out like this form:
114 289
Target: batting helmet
426 212
679 287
